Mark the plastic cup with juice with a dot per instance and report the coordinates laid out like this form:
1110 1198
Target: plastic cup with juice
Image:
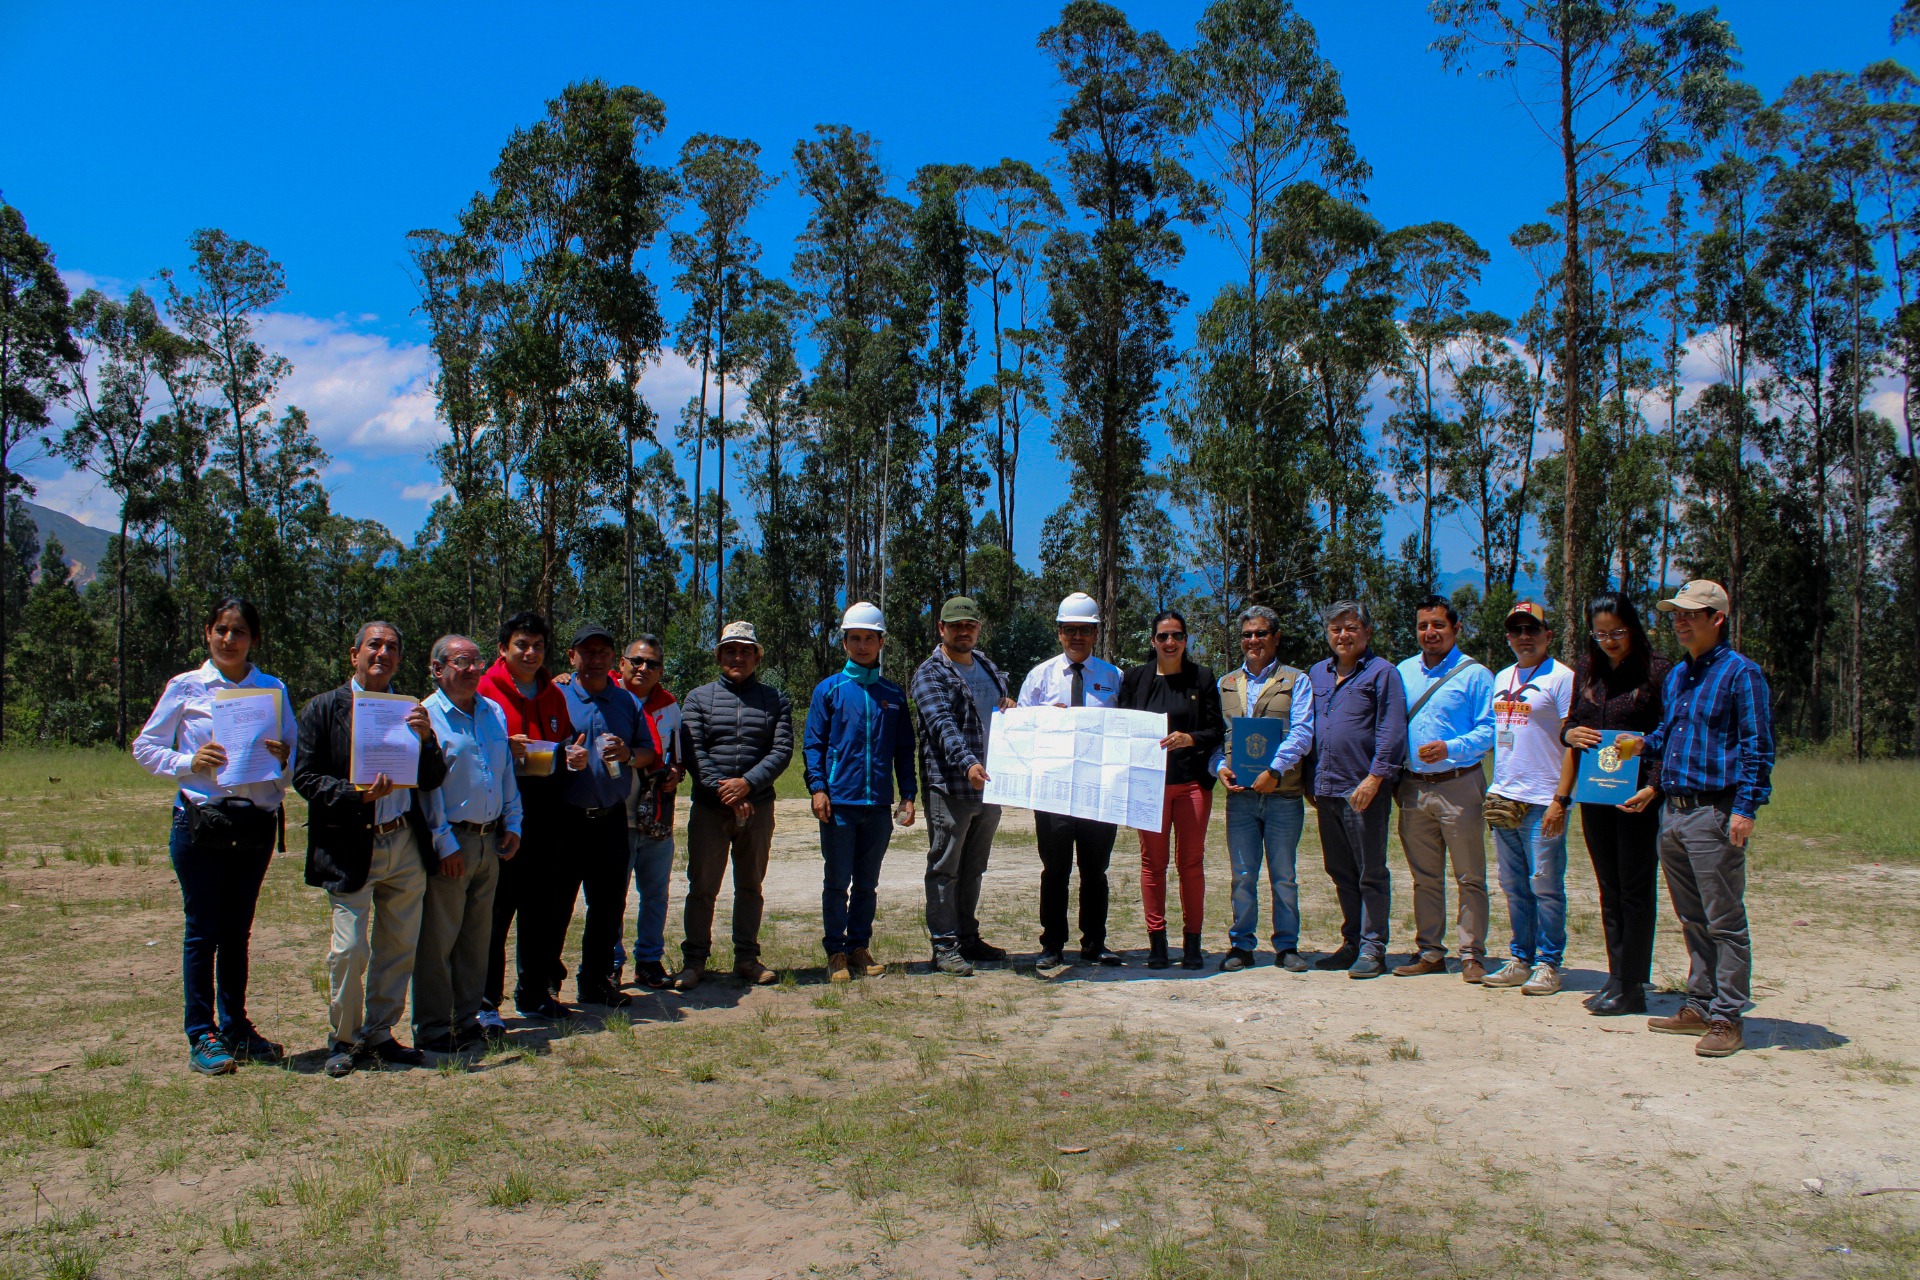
540 759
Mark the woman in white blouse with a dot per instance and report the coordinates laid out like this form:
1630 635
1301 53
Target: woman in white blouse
223 835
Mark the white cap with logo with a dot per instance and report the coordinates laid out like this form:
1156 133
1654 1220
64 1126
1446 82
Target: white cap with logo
863 616
1079 607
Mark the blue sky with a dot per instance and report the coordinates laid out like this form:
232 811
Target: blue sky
326 132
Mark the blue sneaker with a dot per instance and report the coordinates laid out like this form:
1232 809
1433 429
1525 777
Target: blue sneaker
1368 965
210 1056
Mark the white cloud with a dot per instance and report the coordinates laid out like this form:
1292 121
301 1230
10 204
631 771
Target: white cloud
427 492
360 390
79 494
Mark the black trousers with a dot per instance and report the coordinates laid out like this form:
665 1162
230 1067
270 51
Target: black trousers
1066 842
598 861
1625 848
519 896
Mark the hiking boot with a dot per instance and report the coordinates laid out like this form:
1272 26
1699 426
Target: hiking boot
1157 949
1687 1022
1292 961
341 1060
1419 966
1544 981
689 978
1341 959
1236 960
755 974
862 962
837 968
980 952
210 1055
1367 965
1723 1039
1473 969
949 960
1515 973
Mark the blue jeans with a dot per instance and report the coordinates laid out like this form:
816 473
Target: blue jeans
1533 875
1264 829
652 870
219 891
852 847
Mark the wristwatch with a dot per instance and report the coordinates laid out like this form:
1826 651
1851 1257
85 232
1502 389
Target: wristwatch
1563 801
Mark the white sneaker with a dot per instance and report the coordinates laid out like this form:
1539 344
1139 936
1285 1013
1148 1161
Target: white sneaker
1513 974
1544 982
490 1020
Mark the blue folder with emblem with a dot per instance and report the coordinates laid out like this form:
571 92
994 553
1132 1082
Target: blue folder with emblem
1605 776
1254 740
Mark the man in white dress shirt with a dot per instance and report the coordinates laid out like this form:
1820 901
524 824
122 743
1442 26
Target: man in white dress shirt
475 819
1074 678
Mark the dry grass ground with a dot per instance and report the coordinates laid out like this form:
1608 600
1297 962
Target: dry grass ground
1100 1124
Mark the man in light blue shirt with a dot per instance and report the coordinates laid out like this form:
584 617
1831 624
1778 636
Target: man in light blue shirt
1442 790
475 819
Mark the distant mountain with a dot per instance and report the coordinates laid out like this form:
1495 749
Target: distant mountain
85 546
1448 583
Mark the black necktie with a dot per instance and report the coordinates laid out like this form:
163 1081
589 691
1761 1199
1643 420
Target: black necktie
1079 695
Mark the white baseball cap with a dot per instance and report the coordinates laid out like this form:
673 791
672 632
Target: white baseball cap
1079 607
862 616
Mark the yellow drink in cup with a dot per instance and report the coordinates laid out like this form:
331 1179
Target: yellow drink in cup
540 760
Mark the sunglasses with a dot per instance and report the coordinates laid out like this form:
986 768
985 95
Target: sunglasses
644 664
1168 637
1527 629
1255 635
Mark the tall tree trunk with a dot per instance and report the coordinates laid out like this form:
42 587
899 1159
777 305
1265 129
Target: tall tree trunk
699 459
720 439
120 636
1571 311
1856 466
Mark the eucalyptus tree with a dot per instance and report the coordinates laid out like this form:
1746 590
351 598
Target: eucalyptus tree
36 346
1488 465
1109 304
1435 263
723 182
1010 209
1622 78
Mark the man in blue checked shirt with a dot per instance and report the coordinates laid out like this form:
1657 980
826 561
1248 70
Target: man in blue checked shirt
857 729
475 819
1716 770
1442 790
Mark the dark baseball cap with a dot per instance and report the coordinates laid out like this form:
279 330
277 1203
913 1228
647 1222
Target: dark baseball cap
592 631
960 609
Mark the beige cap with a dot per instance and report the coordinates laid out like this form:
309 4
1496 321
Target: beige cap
1701 593
737 633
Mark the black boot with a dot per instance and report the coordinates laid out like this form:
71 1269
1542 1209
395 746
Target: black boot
1157 949
1192 960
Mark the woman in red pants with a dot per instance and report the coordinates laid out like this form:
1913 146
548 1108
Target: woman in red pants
1187 692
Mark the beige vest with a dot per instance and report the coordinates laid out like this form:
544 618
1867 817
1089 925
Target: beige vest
1276 700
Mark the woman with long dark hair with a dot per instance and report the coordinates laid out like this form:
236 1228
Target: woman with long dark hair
1186 691
223 833
1618 686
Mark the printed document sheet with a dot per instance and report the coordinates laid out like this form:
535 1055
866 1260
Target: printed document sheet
1087 762
383 741
244 719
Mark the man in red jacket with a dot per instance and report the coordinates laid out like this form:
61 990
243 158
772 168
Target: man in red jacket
537 723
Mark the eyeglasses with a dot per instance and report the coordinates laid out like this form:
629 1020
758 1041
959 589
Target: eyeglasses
1080 632
1690 615
1344 628
461 663
1618 633
1168 637
1255 635
643 664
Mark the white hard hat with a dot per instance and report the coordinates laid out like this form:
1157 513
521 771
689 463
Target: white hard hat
861 616
1078 607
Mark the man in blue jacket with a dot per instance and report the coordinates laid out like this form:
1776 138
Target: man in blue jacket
857 726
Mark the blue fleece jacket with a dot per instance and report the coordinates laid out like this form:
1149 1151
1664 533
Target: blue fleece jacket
855 726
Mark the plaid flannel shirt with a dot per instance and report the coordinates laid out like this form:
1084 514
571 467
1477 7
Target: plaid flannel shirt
952 737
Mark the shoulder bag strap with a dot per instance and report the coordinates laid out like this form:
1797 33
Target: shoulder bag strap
1436 686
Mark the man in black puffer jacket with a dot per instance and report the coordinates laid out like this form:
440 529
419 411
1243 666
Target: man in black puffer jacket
742 734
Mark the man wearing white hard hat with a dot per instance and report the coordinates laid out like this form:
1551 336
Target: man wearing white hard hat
857 727
1073 678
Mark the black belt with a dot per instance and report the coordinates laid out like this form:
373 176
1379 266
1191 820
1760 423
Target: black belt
388 828
477 828
1681 801
605 811
1445 775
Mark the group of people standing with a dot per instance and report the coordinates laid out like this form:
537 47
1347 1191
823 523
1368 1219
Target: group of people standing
534 789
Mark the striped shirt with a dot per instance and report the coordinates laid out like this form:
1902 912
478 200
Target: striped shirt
1717 732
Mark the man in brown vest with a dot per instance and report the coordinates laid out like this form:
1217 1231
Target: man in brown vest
1265 813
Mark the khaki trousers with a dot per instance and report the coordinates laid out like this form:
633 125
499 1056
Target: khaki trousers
450 966
1438 819
375 931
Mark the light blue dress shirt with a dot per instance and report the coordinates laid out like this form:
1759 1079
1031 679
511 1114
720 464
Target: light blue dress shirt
480 784
1460 714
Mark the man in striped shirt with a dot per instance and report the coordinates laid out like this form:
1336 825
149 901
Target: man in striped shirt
1716 767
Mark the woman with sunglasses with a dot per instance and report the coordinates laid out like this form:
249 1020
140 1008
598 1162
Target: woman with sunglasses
223 834
1188 694
1618 686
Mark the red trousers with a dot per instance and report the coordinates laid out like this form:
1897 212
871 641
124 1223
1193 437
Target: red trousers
1185 811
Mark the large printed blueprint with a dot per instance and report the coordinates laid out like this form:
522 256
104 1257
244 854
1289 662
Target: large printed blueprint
1087 762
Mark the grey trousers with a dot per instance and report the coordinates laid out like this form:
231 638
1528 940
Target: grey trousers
1438 819
1353 847
450 967
959 840
376 930
1707 877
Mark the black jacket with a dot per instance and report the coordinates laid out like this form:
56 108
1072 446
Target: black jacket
339 822
737 731
1191 700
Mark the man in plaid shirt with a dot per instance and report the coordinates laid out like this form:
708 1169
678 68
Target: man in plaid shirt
956 691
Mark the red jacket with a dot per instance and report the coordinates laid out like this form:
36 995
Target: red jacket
543 718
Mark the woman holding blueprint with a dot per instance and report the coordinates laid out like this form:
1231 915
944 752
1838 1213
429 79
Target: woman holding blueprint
1188 695
225 732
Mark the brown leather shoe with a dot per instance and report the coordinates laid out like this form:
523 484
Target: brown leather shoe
757 974
1473 969
689 978
837 968
1420 966
1687 1022
862 961
1724 1038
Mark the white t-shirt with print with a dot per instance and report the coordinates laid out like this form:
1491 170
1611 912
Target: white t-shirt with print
1528 706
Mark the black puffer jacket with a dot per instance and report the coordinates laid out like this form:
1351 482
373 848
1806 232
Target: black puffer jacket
738 731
